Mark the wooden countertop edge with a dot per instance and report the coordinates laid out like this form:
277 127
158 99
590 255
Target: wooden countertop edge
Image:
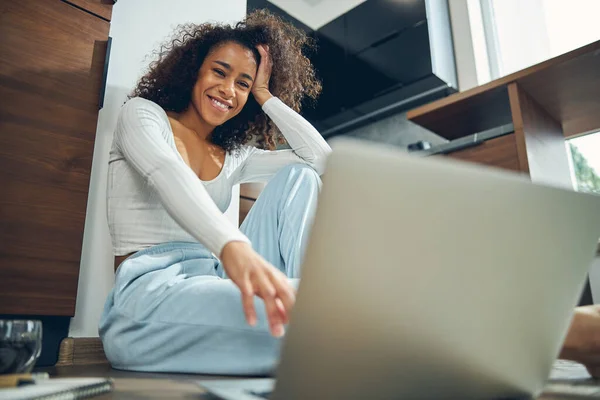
460 96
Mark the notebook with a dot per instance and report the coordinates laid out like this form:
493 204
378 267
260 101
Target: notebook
59 389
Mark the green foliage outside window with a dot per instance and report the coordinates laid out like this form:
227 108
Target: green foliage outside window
587 178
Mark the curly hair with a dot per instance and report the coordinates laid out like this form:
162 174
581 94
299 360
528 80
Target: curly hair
171 77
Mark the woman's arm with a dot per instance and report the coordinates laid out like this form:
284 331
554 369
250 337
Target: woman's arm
307 145
140 137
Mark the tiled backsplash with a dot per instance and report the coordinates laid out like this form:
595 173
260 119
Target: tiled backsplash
397 131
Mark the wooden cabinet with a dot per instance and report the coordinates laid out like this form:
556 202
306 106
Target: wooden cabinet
499 152
245 206
249 192
100 8
52 57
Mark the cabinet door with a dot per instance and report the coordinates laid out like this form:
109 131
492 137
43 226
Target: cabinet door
249 192
101 8
498 152
51 68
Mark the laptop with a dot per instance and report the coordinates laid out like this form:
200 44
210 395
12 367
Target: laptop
430 278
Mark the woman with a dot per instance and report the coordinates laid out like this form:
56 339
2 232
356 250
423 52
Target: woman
179 148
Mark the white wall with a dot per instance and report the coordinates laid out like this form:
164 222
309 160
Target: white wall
137 27
316 13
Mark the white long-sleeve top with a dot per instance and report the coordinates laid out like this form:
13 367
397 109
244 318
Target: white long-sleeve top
153 197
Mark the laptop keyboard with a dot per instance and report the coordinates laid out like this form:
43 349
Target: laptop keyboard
264 395
585 389
578 389
581 388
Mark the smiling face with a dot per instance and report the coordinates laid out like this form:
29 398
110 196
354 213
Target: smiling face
224 82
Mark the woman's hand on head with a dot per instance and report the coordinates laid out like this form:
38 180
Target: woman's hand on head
256 277
260 87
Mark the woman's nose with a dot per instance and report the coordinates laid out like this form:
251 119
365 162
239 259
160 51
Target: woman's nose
227 89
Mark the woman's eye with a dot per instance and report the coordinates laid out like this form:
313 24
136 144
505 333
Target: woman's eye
220 72
244 85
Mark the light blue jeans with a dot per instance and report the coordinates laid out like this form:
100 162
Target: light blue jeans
172 309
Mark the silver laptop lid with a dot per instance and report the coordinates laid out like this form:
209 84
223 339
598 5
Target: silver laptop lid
429 278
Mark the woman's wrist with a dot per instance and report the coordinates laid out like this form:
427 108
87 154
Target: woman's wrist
262 96
232 247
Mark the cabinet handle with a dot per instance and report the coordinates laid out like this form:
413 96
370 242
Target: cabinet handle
473 143
104 73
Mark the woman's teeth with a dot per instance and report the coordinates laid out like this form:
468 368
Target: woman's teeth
219 105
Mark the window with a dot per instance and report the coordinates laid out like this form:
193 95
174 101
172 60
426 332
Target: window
510 35
585 163
518 34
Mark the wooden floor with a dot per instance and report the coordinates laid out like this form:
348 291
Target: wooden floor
140 385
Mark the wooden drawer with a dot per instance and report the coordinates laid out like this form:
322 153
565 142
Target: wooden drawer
251 190
100 8
498 152
51 67
245 206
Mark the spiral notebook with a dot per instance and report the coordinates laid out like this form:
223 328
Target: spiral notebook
59 389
